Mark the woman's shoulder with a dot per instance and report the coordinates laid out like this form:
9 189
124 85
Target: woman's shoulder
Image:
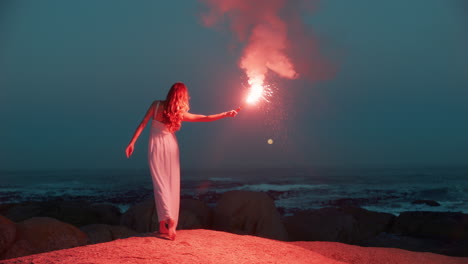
158 102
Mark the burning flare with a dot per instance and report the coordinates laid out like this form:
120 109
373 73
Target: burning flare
259 23
255 91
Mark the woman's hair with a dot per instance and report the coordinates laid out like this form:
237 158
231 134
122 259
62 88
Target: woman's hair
177 104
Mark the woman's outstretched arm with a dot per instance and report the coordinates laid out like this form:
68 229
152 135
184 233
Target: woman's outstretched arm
139 129
188 117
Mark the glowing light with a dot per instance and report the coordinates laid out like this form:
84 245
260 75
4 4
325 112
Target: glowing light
270 141
257 90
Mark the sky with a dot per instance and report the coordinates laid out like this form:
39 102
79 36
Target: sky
76 78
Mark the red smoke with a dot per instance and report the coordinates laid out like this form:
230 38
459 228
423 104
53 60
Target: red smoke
264 26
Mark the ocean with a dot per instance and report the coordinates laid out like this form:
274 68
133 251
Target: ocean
293 189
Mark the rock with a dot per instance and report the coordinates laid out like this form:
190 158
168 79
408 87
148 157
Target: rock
141 217
326 224
7 233
437 225
391 240
211 247
21 212
43 234
194 214
349 224
106 213
457 248
368 223
99 233
246 212
426 202
75 213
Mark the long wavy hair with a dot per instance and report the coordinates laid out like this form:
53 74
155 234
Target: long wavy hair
177 103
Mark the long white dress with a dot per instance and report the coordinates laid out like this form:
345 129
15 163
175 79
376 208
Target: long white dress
164 163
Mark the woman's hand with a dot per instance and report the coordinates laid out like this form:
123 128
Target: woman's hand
232 113
129 150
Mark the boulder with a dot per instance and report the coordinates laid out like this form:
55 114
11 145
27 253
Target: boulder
141 217
438 225
43 234
246 212
457 248
21 212
194 214
348 225
106 213
99 233
76 213
7 233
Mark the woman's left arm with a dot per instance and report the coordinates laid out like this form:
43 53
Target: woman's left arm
189 117
139 129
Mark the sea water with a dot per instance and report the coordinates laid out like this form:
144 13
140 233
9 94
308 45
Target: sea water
293 189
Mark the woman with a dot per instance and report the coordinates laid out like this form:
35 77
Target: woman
163 151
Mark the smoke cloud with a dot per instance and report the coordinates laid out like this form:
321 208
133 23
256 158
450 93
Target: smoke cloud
263 26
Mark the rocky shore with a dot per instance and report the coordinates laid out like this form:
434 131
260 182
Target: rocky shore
31 228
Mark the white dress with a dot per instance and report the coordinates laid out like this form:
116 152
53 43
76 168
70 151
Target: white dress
163 159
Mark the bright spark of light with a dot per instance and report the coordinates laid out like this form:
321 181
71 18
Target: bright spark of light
257 91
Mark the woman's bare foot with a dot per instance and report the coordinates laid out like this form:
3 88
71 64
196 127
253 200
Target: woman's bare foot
163 228
172 229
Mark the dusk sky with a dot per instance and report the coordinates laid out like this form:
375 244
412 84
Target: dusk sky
76 78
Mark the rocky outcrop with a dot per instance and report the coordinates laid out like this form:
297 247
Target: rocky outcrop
143 217
437 225
210 247
7 233
252 213
75 213
445 247
349 224
99 233
43 234
194 214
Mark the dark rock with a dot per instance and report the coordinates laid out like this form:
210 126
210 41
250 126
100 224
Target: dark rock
348 225
106 213
252 213
194 214
43 234
458 248
77 213
99 233
21 212
141 217
426 202
7 233
437 225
